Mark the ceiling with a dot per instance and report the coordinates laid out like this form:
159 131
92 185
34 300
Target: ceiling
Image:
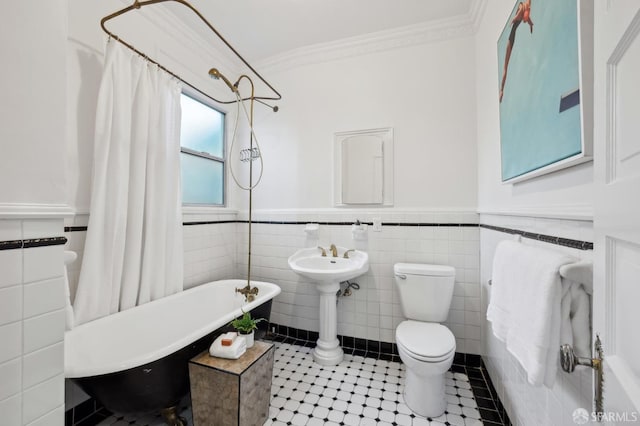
260 29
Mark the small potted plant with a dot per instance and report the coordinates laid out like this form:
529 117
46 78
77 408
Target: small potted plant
245 325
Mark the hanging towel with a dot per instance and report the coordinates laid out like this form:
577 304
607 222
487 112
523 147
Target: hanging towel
525 306
69 258
576 317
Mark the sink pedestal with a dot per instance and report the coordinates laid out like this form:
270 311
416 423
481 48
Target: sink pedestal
328 272
328 350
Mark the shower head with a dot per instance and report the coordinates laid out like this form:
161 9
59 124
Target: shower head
217 75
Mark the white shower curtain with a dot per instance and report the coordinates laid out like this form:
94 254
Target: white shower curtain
133 251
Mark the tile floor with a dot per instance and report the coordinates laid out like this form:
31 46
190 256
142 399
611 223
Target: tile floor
359 391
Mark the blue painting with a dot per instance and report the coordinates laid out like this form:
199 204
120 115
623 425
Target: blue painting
539 86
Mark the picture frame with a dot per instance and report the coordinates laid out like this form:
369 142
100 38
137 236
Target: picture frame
545 78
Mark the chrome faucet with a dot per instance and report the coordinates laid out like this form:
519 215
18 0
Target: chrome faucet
334 250
346 253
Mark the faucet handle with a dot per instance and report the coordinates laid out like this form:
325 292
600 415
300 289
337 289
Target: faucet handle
346 253
324 252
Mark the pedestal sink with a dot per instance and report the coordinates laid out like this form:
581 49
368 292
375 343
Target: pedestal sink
328 272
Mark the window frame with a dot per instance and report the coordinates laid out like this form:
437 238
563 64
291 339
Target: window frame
190 93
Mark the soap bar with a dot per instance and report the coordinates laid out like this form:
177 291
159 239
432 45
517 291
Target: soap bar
228 338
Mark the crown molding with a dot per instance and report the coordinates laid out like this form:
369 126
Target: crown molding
476 13
162 17
397 38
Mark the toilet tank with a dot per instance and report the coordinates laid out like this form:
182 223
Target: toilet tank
425 290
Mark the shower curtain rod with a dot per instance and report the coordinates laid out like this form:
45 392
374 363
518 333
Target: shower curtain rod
138 4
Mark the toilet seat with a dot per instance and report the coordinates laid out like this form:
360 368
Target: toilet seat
424 341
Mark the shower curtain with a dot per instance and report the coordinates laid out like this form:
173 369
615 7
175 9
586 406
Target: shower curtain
133 251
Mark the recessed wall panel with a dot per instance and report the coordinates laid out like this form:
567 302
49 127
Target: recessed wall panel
625 287
627 124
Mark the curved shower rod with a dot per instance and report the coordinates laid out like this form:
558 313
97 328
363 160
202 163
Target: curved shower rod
138 4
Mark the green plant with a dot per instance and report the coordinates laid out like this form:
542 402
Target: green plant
245 324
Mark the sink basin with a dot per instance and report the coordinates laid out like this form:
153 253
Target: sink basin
311 264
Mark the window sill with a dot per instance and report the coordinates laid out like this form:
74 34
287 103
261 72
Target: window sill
199 210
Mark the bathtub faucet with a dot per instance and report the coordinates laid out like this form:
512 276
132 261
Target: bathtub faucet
248 292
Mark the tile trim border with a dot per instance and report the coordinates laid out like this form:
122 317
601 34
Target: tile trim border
32 242
289 222
566 242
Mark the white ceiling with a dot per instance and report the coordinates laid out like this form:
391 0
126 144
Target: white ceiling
260 29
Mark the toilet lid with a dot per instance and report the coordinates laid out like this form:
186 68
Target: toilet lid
425 339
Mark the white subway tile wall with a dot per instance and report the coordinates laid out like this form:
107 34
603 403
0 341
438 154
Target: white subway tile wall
374 311
209 253
526 404
31 325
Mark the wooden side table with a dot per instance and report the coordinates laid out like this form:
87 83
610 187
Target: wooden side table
232 391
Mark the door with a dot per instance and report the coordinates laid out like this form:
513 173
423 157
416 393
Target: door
616 301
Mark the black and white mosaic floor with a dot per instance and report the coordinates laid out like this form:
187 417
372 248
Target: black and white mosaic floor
359 391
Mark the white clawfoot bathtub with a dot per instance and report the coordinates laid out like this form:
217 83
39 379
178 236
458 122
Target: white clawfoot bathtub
136 360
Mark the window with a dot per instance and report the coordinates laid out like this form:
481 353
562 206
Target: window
202 153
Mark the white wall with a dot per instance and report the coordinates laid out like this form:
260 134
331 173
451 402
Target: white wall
558 204
426 92
32 133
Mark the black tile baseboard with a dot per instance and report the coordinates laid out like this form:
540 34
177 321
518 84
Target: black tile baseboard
87 413
350 345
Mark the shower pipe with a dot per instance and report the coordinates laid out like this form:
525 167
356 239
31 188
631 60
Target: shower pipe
248 292
138 4
251 186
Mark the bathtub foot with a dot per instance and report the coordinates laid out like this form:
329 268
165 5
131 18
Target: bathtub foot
171 417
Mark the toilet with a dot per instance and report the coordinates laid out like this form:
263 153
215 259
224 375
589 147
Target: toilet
426 347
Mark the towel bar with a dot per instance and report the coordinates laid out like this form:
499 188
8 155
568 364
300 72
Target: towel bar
580 272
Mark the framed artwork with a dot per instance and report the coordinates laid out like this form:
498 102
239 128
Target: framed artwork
542 92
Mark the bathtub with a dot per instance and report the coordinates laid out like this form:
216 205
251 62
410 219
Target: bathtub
137 360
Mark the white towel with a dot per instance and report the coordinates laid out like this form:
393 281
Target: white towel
524 309
69 258
576 318
235 351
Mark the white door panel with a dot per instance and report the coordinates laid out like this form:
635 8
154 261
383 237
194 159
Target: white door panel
616 301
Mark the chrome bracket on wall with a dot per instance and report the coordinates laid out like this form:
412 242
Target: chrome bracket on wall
569 360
